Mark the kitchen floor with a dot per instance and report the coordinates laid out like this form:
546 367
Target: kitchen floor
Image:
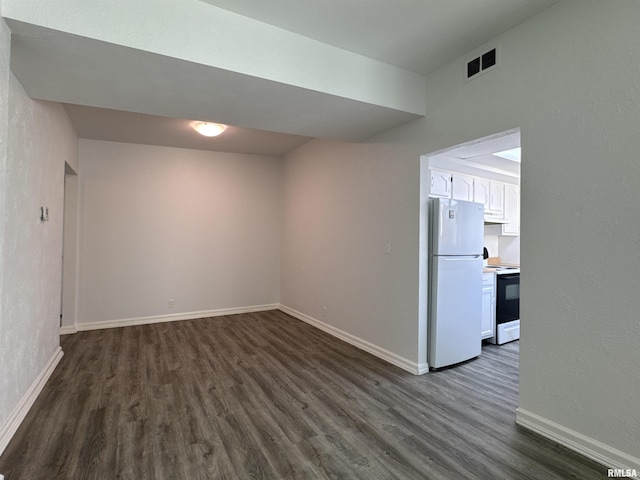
266 396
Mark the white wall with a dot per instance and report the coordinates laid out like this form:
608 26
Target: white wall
39 138
5 403
509 249
343 203
159 223
492 241
567 81
504 246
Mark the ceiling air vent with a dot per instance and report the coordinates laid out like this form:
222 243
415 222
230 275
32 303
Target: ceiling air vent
482 63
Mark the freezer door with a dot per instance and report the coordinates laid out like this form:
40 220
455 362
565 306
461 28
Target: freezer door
457 227
456 310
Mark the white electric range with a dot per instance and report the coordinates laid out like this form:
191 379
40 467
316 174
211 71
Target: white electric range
507 304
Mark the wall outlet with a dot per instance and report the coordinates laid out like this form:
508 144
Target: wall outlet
169 304
324 311
387 247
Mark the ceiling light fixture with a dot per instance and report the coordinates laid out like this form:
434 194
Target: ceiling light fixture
512 154
209 129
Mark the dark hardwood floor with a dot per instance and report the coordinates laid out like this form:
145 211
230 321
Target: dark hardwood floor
265 396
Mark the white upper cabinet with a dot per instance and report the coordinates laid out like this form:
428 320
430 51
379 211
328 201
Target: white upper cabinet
462 187
496 197
491 194
501 201
481 191
440 183
511 210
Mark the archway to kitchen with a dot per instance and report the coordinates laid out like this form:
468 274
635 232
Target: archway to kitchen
487 171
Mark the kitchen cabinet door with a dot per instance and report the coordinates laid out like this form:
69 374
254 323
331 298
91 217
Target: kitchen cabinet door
496 197
440 183
488 305
511 210
462 187
481 191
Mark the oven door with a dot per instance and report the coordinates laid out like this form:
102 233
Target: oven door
508 298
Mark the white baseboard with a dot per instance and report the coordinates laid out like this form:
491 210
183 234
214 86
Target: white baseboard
590 448
127 322
68 329
392 358
422 368
8 430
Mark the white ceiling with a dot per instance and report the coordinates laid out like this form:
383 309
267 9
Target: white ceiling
119 126
477 157
416 35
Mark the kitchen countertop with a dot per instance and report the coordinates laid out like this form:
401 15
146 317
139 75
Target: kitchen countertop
497 261
493 270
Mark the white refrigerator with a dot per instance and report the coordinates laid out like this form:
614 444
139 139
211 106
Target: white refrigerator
455 274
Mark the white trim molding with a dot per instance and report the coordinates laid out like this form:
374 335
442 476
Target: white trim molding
68 330
422 368
587 446
127 322
375 350
8 430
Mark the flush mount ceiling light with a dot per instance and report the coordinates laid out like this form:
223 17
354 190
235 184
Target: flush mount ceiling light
512 154
209 129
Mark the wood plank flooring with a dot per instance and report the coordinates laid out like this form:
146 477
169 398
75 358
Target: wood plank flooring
265 396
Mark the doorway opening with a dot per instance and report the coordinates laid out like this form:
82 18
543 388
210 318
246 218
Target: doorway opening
486 170
68 300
